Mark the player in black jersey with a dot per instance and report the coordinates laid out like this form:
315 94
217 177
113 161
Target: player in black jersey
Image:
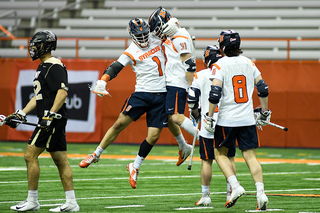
50 92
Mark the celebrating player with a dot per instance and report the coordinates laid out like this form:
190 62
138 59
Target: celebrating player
50 92
199 90
146 58
233 80
180 67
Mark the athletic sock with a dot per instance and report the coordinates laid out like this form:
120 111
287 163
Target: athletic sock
260 188
32 195
233 181
70 196
98 151
205 189
187 125
144 150
181 141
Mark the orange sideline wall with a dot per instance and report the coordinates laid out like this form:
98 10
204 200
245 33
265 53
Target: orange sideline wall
294 99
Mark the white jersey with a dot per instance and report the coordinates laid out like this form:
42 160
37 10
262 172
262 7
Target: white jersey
202 82
237 74
148 64
174 46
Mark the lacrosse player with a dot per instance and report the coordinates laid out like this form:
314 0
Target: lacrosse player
180 67
233 80
50 93
146 58
199 90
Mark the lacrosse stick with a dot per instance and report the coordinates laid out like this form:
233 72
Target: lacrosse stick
276 125
3 121
193 145
194 47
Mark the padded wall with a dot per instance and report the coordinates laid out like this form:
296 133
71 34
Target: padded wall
294 99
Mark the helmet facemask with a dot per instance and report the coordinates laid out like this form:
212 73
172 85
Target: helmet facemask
140 32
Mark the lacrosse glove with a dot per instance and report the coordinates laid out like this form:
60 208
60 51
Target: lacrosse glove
262 117
195 119
47 119
18 115
100 88
209 123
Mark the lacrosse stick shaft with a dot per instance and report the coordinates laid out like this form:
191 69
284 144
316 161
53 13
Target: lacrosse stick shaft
193 145
26 123
276 125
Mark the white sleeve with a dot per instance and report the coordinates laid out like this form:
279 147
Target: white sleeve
125 60
182 45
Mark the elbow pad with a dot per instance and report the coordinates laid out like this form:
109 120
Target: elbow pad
215 94
263 89
193 98
190 65
113 69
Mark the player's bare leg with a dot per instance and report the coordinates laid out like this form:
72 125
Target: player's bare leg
206 176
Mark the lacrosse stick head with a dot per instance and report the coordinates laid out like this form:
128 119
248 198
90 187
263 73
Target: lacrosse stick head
2 120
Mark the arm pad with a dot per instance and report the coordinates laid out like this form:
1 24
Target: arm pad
190 65
263 89
193 98
215 94
113 69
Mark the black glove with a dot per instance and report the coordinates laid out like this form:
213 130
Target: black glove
18 115
47 119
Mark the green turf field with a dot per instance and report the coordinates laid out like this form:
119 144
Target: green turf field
291 177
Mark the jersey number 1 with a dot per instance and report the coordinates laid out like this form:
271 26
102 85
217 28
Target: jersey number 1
240 89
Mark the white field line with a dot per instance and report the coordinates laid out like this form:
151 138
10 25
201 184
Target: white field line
157 177
126 206
162 195
268 210
191 208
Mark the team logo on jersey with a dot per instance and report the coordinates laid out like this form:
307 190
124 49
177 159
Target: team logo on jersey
150 52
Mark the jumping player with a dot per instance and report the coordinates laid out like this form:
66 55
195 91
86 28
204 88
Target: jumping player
180 67
146 58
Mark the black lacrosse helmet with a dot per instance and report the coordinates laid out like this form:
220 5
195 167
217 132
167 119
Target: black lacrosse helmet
41 43
229 39
139 31
211 55
157 19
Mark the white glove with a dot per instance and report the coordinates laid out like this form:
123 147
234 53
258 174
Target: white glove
171 27
209 123
262 117
100 88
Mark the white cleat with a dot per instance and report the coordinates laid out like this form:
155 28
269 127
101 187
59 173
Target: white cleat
67 207
235 195
262 202
205 200
184 154
26 206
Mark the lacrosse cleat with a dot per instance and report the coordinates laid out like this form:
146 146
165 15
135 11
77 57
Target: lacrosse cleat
26 206
205 200
235 195
262 202
184 154
67 207
133 175
89 160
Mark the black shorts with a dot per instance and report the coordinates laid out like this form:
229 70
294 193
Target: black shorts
246 136
207 149
54 140
151 103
